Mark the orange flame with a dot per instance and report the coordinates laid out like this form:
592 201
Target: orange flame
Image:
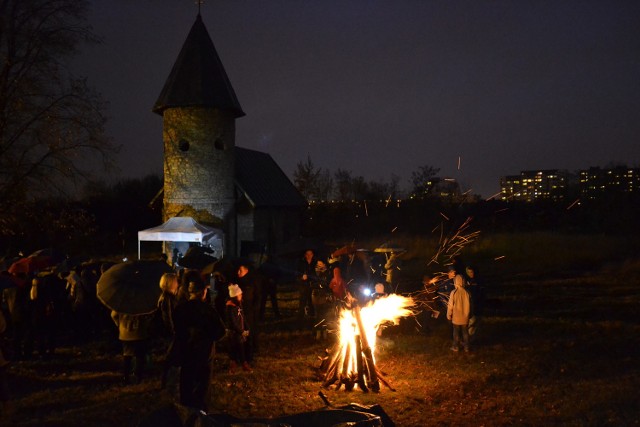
386 309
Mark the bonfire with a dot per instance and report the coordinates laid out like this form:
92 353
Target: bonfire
354 362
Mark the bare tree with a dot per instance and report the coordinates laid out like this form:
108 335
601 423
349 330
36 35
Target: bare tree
324 185
51 122
344 190
305 178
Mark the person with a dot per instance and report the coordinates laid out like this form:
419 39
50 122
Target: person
321 299
21 308
197 327
251 289
445 287
133 333
391 267
43 315
166 307
459 311
80 305
477 297
270 276
186 276
4 385
337 284
306 279
378 291
239 330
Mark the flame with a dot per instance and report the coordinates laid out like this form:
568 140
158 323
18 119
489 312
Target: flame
386 309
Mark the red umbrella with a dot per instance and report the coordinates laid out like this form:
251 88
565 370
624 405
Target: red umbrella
31 264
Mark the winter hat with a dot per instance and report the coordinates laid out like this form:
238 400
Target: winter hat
234 290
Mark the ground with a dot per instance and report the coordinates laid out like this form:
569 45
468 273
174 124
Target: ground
551 349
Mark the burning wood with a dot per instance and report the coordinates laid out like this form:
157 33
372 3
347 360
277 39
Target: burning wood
353 362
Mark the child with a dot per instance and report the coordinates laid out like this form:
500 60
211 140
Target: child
238 328
459 311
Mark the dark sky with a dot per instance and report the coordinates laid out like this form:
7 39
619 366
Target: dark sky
384 87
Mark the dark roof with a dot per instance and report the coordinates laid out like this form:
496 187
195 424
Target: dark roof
263 182
198 78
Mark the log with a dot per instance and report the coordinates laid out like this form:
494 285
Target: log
366 350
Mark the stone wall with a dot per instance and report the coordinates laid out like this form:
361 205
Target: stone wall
198 163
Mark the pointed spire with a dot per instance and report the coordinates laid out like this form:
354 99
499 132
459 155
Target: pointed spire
198 77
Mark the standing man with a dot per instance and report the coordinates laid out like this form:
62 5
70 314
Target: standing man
306 279
270 276
197 327
251 296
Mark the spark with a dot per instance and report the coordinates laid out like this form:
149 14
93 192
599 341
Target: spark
444 216
494 196
573 204
499 257
459 160
394 229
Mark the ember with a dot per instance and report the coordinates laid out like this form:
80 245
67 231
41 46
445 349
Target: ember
353 363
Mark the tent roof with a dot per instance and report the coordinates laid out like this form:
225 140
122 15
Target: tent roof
180 229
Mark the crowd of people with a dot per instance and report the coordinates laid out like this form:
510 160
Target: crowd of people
195 310
461 296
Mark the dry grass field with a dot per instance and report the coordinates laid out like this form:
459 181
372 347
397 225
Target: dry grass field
556 346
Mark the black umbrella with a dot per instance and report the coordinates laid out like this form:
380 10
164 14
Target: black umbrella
197 258
132 287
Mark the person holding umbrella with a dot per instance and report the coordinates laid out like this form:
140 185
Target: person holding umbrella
130 290
133 333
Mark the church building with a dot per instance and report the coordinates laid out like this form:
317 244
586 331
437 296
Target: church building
206 176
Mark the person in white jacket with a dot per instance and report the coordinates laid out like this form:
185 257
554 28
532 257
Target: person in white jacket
459 311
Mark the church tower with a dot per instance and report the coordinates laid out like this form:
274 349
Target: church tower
199 108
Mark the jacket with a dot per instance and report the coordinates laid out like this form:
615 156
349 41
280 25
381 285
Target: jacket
132 327
459 308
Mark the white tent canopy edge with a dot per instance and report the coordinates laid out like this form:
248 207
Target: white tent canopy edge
179 229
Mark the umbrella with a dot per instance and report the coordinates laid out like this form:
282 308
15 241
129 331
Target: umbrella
132 287
197 258
31 264
345 250
389 249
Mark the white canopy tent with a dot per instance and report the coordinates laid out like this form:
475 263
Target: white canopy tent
180 229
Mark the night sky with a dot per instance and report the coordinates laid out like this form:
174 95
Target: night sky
383 87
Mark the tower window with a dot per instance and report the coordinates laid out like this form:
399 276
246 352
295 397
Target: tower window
183 145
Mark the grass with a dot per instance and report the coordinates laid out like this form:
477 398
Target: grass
555 347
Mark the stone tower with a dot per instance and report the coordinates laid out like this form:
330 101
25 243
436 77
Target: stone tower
199 108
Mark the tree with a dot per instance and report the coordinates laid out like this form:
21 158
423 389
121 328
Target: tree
51 122
422 180
344 189
305 178
324 185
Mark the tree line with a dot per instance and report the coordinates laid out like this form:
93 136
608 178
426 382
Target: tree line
320 184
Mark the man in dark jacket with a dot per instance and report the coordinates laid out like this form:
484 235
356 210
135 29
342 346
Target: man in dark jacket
306 281
251 286
197 327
